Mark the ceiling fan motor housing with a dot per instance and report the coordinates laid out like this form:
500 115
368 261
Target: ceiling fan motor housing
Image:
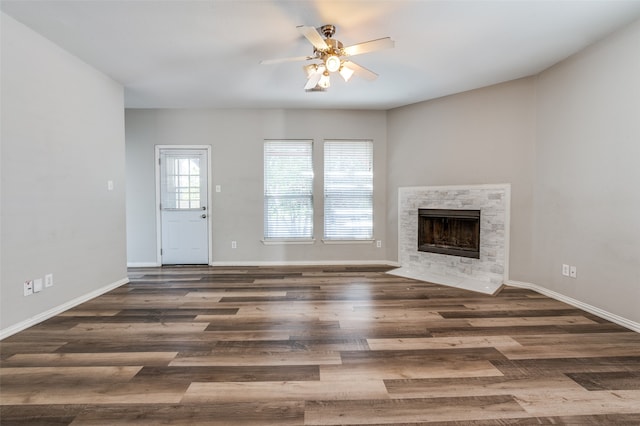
327 30
335 48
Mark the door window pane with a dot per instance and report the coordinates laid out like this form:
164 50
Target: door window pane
181 182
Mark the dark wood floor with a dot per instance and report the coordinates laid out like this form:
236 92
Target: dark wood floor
318 346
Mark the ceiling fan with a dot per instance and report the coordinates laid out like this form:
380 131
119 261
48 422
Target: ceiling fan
332 57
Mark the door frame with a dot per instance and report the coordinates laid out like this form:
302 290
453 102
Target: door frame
159 148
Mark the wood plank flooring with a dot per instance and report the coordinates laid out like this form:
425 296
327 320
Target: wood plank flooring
317 346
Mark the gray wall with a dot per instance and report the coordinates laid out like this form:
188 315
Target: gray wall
236 138
568 140
62 140
587 200
483 136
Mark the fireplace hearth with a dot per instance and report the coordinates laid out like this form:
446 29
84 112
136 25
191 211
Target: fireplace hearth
449 232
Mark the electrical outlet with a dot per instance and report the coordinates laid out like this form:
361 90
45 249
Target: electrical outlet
28 287
378 243
565 269
234 244
48 280
573 272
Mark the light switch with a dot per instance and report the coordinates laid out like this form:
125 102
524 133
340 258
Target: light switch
218 188
37 285
110 185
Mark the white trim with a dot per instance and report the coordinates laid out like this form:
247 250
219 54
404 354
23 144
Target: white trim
632 325
456 187
306 263
158 148
347 241
276 242
143 265
156 175
11 330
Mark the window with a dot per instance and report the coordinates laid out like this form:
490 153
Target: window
181 181
348 190
288 189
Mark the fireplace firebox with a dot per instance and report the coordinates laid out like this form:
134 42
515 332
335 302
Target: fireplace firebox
451 232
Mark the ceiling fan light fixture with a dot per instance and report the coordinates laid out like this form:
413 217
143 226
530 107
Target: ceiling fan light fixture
324 82
346 73
332 63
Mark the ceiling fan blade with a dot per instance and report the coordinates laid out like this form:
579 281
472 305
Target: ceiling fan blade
361 71
313 80
292 59
313 36
369 46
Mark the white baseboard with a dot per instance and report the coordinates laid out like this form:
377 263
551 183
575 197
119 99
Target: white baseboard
11 330
632 325
279 263
143 264
306 263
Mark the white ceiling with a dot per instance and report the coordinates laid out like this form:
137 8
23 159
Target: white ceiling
206 53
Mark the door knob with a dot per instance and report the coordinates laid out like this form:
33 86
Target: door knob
204 208
204 216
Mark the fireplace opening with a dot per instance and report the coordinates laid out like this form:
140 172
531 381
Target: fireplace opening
452 232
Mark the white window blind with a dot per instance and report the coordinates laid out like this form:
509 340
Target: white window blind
348 190
288 189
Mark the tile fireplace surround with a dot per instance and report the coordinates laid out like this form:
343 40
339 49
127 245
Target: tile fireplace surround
484 275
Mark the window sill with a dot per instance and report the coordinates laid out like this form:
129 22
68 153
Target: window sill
276 242
348 241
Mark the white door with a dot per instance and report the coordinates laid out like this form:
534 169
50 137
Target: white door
183 206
